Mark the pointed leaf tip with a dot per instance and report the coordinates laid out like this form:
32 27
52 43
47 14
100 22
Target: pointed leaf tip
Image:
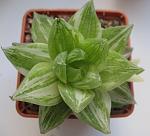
61 38
39 86
25 55
97 113
76 99
117 37
51 117
120 70
41 26
86 21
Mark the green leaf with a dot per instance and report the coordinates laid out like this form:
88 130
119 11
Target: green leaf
74 74
76 65
51 117
76 55
117 71
86 21
76 99
91 81
61 38
41 26
39 86
136 78
95 50
25 56
117 37
122 95
97 113
60 66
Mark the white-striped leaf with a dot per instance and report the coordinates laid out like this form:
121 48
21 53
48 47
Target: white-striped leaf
117 71
117 37
51 117
96 51
61 66
86 21
39 86
41 26
25 56
61 38
97 113
76 99
121 95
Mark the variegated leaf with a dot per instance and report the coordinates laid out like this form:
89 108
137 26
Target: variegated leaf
25 56
41 26
61 38
91 81
76 55
60 67
74 74
117 37
51 117
96 51
117 71
39 86
122 95
86 21
76 99
97 113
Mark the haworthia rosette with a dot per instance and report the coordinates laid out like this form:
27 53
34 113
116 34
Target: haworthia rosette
39 86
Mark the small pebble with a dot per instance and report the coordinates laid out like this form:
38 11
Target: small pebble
64 17
28 38
29 20
116 23
28 27
109 23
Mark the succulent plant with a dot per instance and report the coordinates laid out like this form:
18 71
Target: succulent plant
75 66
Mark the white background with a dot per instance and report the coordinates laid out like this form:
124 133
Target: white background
11 124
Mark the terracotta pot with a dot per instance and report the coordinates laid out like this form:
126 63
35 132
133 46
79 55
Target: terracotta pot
113 17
